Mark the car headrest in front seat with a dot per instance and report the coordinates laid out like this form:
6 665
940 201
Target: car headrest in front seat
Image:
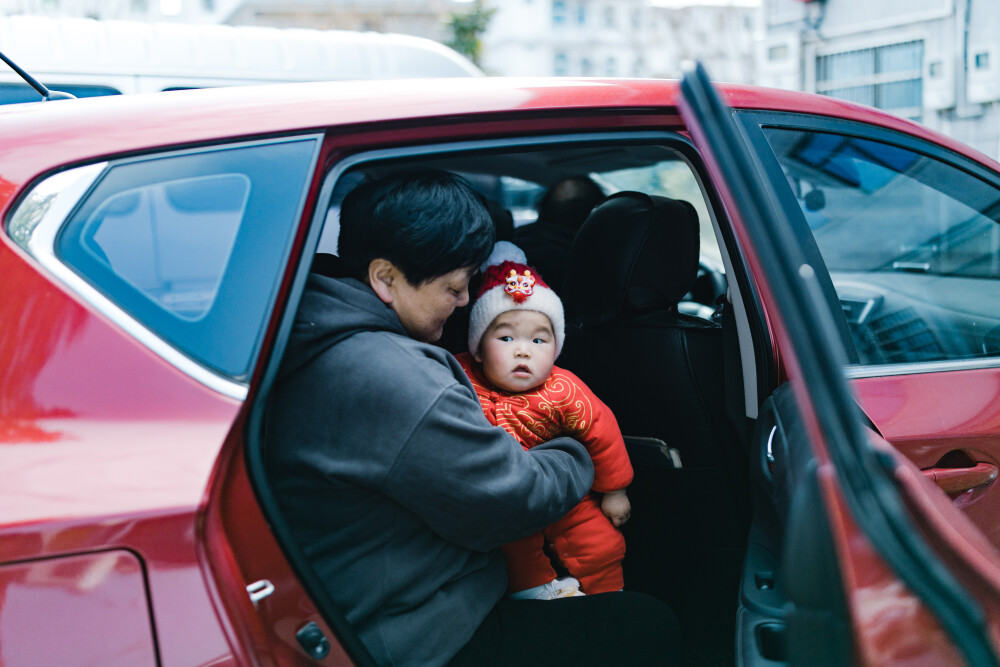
635 253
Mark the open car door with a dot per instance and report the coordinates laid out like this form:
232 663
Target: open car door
849 541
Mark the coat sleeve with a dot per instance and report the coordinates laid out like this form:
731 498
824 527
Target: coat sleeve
603 439
474 485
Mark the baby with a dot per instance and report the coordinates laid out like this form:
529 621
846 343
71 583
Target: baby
516 331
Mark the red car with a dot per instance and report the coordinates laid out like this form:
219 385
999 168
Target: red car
155 249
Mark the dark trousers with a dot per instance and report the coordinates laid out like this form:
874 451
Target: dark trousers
606 629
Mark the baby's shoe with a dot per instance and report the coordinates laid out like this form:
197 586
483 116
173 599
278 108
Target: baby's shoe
567 587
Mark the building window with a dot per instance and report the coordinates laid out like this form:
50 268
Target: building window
586 67
558 12
609 17
560 64
610 67
983 60
639 68
779 52
581 14
887 77
935 69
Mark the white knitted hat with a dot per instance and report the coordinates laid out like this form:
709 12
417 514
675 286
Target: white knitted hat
510 284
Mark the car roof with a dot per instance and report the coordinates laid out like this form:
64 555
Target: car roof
41 136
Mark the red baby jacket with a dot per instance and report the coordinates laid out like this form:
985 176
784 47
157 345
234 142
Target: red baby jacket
561 406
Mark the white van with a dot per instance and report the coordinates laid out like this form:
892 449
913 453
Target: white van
89 58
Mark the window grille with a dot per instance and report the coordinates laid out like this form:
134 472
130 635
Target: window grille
886 77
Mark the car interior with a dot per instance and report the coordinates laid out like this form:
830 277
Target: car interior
658 327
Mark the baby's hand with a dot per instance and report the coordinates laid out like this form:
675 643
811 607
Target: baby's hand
616 507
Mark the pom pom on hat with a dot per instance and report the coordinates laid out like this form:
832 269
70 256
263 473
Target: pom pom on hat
504 251
510 284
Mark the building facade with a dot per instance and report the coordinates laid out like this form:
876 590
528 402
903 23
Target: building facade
934 61
610 38
186 11
421 18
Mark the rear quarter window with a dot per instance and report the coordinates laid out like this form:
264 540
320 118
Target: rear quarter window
193 244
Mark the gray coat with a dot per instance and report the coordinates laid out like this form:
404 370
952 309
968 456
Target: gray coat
395 485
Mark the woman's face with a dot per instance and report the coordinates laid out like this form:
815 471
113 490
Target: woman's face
424 309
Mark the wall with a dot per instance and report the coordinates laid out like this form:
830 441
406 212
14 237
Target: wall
958 72
629 38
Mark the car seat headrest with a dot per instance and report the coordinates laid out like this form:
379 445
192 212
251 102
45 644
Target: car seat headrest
634 253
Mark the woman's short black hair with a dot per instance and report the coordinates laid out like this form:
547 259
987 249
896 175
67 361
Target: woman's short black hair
426 222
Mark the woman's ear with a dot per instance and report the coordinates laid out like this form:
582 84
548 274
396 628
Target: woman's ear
381 275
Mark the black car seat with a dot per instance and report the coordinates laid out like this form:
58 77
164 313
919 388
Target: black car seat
661 372
561 211
633 260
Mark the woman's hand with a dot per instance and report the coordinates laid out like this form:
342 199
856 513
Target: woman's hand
616 507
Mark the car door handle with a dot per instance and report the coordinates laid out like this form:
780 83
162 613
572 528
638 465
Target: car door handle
958 480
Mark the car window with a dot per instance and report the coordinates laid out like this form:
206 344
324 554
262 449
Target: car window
13 93
521 198
193 244
912 244
668 178
171 241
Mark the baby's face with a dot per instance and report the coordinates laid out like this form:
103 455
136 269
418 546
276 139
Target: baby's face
518 350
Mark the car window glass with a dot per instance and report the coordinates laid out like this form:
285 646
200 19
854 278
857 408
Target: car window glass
171 241
912 244
192 245
13 93
521 198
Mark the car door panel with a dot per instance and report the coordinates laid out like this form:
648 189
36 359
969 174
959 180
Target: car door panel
791 599
919 334
789 612
879 557
947 423
75 396
261 592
